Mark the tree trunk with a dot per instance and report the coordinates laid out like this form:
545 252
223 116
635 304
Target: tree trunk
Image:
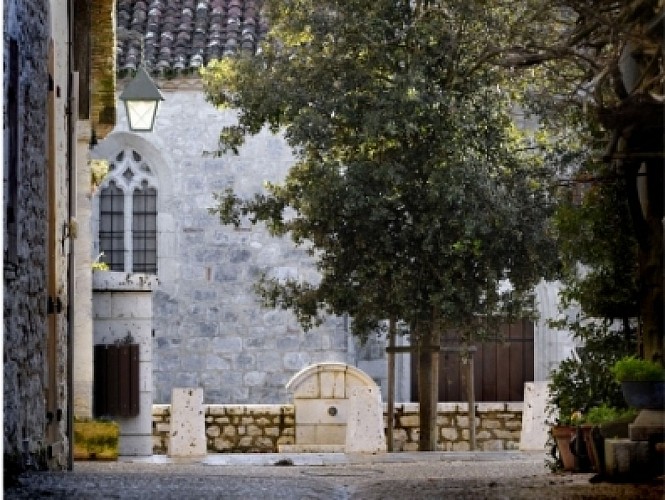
651 292
390 417
644 148
428 390
645 199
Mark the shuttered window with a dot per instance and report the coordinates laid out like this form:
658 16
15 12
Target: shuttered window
116 380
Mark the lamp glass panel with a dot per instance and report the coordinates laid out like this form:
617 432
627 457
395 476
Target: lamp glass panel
141 114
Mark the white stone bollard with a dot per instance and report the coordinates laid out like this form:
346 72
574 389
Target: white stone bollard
364 426
187 434
533 436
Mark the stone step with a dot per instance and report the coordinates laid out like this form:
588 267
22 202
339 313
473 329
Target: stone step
647 424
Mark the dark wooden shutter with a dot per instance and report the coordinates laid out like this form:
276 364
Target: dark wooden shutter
116 380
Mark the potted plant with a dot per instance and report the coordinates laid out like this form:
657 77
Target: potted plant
642 382
563 433
600 423
581 382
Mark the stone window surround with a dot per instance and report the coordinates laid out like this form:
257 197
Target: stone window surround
161 171
131 180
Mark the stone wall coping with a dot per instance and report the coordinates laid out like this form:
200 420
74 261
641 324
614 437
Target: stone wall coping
164 409
462 407
250 408
123 282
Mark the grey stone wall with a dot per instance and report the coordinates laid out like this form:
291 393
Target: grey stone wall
24 281
209 329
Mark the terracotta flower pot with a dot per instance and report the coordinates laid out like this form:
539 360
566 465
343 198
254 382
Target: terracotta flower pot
587 434
562 434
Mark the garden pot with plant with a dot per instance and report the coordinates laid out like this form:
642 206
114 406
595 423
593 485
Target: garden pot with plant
600 423
642 382
584 381
563 437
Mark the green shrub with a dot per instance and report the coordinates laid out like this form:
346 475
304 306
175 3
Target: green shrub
604 414
633 369
96 439
586 380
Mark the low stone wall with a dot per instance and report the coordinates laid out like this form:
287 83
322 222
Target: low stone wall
261 428
498 426
234 428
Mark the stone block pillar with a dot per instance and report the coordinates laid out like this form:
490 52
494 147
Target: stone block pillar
187 435
122 312
533 436
364 426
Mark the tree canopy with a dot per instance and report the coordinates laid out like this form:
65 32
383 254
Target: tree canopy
414 189
607 68
418 194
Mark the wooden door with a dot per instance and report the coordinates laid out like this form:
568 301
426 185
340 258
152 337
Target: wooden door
501 367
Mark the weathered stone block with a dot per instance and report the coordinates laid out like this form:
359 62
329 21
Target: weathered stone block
450 434
271 431
504 434
222 445
492 424
364 427
163 427
229 430
213 431
483 434
265 444
286 440
626 458
409 421
253 430
245 442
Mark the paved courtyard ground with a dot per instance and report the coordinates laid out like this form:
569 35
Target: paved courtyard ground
405 476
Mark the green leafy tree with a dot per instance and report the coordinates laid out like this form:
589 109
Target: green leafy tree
414 191
600 270
604 72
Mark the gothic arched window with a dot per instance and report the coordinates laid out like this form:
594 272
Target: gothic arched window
128 215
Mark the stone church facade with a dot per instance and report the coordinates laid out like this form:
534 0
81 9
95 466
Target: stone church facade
209 330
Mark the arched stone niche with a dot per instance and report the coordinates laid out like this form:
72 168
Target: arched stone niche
325 397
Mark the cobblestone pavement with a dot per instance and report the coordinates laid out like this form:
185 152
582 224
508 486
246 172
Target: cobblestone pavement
396 476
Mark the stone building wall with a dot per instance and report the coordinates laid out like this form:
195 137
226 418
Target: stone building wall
261 428
209 328
26 84
39 223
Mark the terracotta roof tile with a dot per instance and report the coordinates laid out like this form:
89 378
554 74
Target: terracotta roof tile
181 35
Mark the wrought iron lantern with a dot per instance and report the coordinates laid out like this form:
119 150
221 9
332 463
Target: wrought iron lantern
141 97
